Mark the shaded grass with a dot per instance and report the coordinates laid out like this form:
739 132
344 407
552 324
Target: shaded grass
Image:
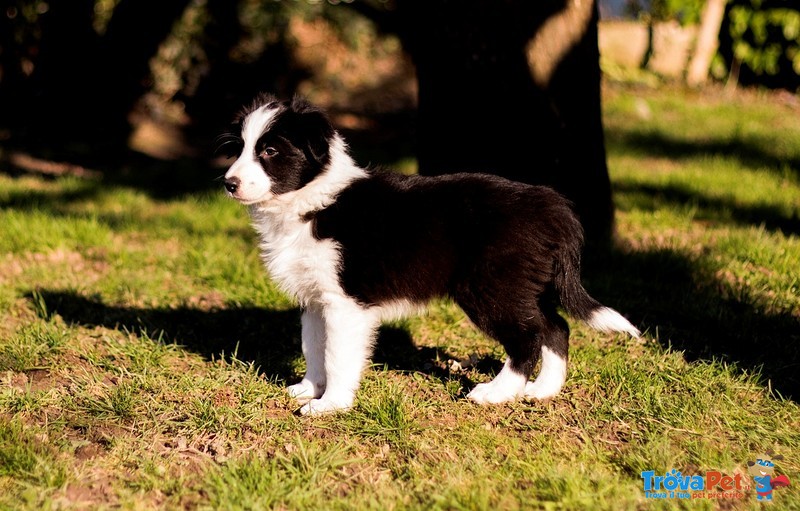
143 351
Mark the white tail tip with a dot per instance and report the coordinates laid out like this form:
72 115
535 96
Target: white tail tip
607 319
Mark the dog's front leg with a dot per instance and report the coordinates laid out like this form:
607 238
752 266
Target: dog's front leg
349 334
313 341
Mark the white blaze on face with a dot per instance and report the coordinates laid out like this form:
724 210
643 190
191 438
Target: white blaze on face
254 184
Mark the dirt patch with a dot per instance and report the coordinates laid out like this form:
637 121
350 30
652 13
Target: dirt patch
35 380
89 451
225 397
207 302
195 452
42 379
80 495
35 165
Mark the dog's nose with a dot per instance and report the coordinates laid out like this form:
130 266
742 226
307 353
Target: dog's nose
232 184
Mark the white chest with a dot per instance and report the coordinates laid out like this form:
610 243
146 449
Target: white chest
301 265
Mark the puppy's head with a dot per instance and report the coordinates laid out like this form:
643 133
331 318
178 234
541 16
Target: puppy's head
280 146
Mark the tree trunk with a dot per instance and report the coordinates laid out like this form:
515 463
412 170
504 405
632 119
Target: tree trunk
512 88
94 81
62 72
136 30
707 42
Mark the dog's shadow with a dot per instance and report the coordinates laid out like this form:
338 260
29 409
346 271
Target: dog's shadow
270 339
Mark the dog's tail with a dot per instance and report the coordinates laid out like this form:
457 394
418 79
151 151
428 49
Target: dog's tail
579 304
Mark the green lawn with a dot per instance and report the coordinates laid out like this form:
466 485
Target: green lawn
144 351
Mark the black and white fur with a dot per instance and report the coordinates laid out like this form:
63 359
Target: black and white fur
357 247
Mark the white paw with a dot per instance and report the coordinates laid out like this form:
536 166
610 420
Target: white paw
323 406
551 378
304 390
492 393
539 390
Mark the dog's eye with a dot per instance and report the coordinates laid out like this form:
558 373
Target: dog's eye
269 151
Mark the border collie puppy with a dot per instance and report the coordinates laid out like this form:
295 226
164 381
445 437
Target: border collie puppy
359 246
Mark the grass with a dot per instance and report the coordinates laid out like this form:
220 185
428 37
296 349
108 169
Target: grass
144 351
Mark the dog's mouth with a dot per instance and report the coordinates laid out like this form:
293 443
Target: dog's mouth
248 201
246 192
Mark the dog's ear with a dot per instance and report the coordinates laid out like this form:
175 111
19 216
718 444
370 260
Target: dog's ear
309 129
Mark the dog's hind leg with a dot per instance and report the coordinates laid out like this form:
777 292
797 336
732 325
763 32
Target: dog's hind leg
522 341
349 334
508 385
553 373
313 342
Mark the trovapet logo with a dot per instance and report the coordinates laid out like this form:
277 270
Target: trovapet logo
711 485
717 485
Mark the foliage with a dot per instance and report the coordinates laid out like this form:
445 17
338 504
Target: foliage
687 12
765 36
759 39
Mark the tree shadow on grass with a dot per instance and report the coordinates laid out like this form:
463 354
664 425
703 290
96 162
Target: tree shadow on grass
268 338
682 304
713 208
752 152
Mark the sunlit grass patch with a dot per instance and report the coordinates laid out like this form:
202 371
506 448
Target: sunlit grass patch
29 464
301 475
30 346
